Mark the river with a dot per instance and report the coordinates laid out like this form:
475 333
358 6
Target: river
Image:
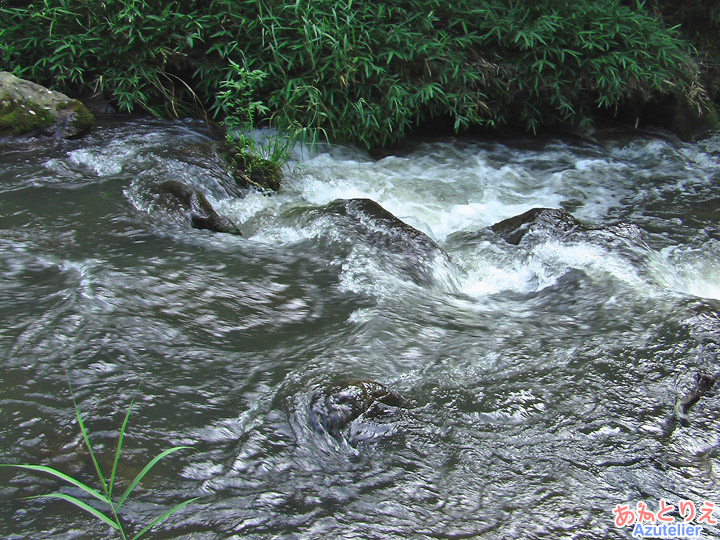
538 380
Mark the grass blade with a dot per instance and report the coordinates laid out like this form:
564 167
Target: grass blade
86 438
62 476
81 505
163 517
147 468
121 436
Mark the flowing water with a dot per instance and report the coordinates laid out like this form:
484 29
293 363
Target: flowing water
538 381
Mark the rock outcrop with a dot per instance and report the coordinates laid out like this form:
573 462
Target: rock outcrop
382 226
398 244
27 108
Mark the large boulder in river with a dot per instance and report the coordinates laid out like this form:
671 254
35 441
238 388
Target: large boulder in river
513 229
398 244
27 108
382 226
335 408
191 203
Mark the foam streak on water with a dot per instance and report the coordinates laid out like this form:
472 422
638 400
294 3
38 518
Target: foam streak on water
538 379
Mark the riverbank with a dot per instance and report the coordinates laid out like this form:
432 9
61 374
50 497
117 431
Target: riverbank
371 75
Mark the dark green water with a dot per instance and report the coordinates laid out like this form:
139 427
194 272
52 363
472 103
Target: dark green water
539 380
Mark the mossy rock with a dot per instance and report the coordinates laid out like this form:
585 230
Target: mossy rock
688 120
27 108
20 117
691 122
678 114
79 117
251 171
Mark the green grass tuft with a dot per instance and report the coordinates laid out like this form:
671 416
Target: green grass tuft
105 495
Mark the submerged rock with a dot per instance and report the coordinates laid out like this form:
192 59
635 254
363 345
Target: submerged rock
27 108
513 229
704 382
186 200
338 406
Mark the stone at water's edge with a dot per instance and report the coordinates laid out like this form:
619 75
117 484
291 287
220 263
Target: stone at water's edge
678 114
27 108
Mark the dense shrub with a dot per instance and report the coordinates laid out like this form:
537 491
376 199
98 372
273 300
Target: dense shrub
700 22
364 72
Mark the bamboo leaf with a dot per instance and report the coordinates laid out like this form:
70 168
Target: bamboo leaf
119 448
86 438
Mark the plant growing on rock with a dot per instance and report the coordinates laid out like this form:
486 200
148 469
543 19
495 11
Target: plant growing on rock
254 162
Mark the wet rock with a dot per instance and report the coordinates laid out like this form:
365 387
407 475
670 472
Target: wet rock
678 114
97 104
627 231
27 108
382 226
249 170
513 229
334 409
398 244
704 382
186 200
689 121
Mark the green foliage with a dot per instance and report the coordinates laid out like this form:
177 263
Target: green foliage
135 51
235 100
363 72
700 22
240 115
105 494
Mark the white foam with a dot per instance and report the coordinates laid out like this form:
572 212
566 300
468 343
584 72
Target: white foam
688 271
441 191
443 188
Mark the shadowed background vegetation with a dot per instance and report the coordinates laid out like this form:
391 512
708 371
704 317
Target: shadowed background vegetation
700 22
367 72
